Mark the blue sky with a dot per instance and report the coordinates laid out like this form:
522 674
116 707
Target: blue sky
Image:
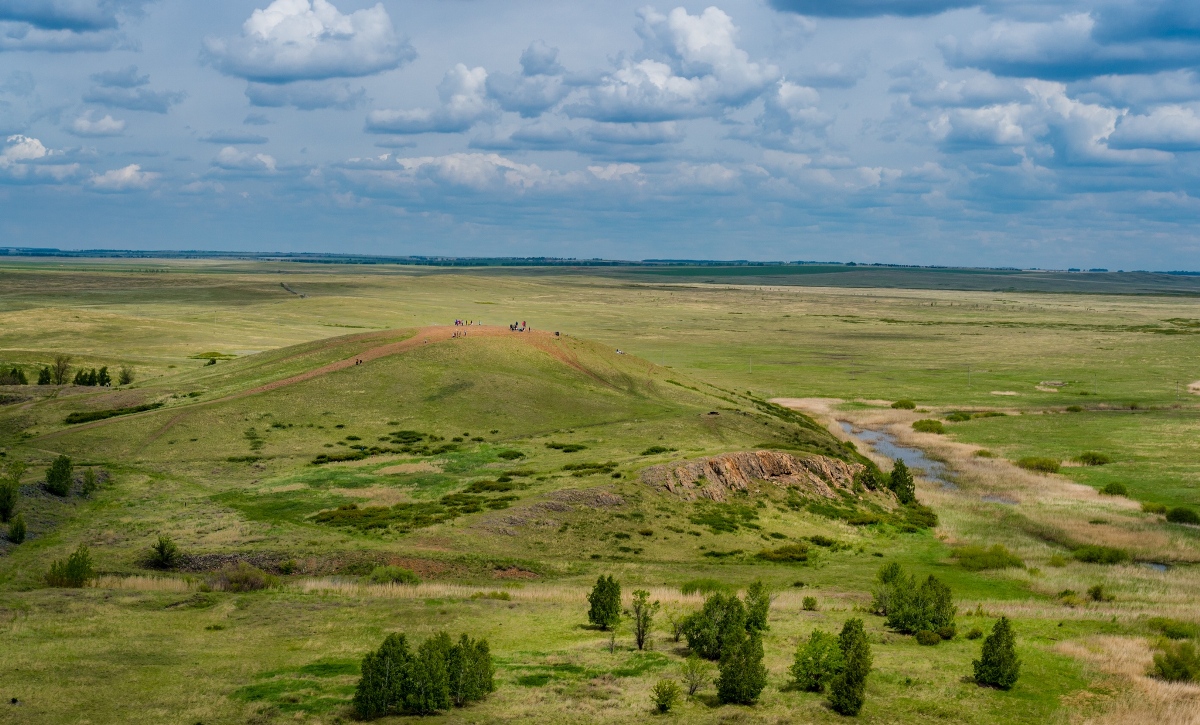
1004 132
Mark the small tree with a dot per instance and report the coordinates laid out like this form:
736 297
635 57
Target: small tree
429 684
817 661
643 616
847 688
16 530
743 675
605 601
10 489
696 673
74 571
665 694
59 476
103 378
721 619
384 675
998 665
472 674
60 371
45 377
901 483
89 481
164 554
125 376
758 607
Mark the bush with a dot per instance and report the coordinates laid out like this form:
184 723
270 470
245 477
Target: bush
810 604
928 425
665 694
10 491
1040 464
16 530
928 638
90 482
816 662
74 571
510 455
1097 593
164 554
398 681
788 553
1100 555
983 453
696 673
975 633
605 601
1057 560
847 688
655 450
703 586
958 416
721 620
1173 628
1183 515
1177 662
59 476
868 478
758 607
910 608
1092 458
393 575
977 558
241 577
1114 489
743 675
904 405
1154 508
998 665
900 482
1074 408
947 633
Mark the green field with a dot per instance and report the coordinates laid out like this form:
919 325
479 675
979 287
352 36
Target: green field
521 463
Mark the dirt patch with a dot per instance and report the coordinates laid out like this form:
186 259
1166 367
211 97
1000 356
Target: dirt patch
1194 388
715 477
422 467
1045 389
1005 392
513 572
590 497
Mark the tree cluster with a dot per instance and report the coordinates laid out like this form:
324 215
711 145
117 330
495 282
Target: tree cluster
839 663
438 675
14 376
912 608
93 377
74 571
729 630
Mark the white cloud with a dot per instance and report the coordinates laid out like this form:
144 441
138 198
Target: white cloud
105 126
474 171
293 40
615 172
463 92
231 159
127 178
790 107
1170 128
22 37
22 148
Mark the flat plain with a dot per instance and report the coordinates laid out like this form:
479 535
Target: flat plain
265 456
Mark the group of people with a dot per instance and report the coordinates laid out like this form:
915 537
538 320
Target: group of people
464 323
519 326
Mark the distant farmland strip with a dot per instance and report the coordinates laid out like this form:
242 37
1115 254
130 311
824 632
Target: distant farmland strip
89 416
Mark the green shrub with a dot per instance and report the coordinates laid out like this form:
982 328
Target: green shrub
1115 488
928 425
947 633
567 447
977 558
16 530
1097 593
1040 464
1177 662
910 608
900 482
703 586
904 405
1100 555
655 450
59 476
393 575
1074 408
1173 628
164 554
848 687
788 553
998 665
241 577
810 604
605 603
975 633
817 661
502 596
868 478
1183 515
983 453
958 416
665 694
74 571
93 415
758 607
742 673
510 455
1154 508
928 638
696 673
10 492
1092 458
1057 560
722 619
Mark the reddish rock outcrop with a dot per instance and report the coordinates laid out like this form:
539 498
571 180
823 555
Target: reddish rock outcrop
715 477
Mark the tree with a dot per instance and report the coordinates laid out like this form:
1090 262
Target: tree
60 476
910 608
743 675
721 619
383 678
696 673
643 616
16 530
758 607
396 680
60 371
15 376
472 674
605 601
998 665
665 694
125 376
75 571
164 554
81 378
901 483
10 489
817 661
103 378
44 376
89 481
429 683
847 688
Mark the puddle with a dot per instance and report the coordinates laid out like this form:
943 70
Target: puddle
885 445
1156 566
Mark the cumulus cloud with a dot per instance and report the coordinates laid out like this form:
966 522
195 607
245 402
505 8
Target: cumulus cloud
22 37
476 172
1169 128
539 86
128 178
306 95
463 93
292 40
231 159
73 15
870 8
26 160
790 107
693 68
105 126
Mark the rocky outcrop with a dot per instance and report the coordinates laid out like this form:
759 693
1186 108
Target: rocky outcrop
716 477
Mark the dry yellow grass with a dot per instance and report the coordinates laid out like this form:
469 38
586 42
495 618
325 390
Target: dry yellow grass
1147 701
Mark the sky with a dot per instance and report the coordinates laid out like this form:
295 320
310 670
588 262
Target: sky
1054 134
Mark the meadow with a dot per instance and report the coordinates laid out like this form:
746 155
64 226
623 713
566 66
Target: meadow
508 471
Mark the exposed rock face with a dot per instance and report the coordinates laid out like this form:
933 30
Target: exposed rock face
715 477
